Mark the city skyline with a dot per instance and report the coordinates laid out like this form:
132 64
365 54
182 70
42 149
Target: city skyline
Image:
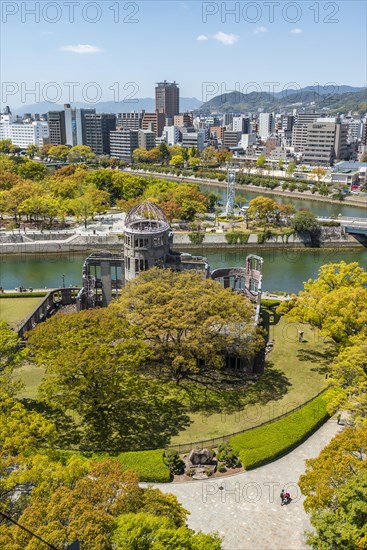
66 57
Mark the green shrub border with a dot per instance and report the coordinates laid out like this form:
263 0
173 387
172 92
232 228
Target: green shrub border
22 295
266 443
148 464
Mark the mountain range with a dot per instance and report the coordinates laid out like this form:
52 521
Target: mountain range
329 99
340 99
138 104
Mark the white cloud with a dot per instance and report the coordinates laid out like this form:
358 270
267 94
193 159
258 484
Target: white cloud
226 39
296 31
81 48
259 30
202 38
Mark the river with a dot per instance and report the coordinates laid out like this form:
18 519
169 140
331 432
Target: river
318 208
284 270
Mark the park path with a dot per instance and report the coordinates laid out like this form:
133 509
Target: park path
247 511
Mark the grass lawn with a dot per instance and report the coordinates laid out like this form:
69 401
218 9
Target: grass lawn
294 373
15 310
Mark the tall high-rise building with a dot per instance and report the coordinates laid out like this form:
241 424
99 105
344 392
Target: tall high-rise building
167 98
56 126
97 128
75 124
266 125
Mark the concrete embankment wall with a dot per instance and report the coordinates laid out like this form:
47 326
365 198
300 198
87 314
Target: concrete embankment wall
330 238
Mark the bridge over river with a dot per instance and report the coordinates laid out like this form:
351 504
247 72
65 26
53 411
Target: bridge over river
352 225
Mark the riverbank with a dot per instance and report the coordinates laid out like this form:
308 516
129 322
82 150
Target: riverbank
306 195
181 242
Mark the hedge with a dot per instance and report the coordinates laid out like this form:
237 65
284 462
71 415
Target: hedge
266 443
148 464
23 295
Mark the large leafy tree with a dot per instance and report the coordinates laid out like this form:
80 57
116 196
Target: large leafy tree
93 360
335 302
188 322
335 485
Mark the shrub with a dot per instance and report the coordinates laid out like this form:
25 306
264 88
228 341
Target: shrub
237 236
221 467
208 472
190 472
265 443
227 456
173 461
196 238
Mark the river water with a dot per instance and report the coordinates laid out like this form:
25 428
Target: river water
319 208
284 270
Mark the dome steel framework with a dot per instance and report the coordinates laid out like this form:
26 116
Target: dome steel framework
146 216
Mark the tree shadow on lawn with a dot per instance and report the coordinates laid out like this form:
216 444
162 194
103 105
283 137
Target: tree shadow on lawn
67 429
272 385
321 359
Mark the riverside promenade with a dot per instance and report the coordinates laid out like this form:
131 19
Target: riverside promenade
245 508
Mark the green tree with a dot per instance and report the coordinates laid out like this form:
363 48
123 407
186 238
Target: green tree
93 361
59 152
281 164
305 221
291 167
335 486
148 532
177 160
32 170
80 153
261 161
262 208
164 152
319 173
188 323
32 150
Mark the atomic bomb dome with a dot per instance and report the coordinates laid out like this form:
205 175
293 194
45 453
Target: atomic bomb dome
148 239
146 217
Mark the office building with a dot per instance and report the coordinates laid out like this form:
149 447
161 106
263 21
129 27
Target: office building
154 121
183 120
129 121
123 143
266 125
171 135
167 98
22 133
56 127
326 141
194 139
146 139
247 140
231 139
299 132
241 124
97 128
75 125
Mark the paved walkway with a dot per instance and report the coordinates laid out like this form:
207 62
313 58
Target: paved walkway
247 511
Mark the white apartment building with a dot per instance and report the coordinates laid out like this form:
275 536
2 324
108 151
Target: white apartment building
247 140
171 135
21 133
266 125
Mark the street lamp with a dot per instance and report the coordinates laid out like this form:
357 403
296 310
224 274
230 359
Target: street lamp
63 281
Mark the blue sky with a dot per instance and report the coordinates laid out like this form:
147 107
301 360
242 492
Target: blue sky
194 43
